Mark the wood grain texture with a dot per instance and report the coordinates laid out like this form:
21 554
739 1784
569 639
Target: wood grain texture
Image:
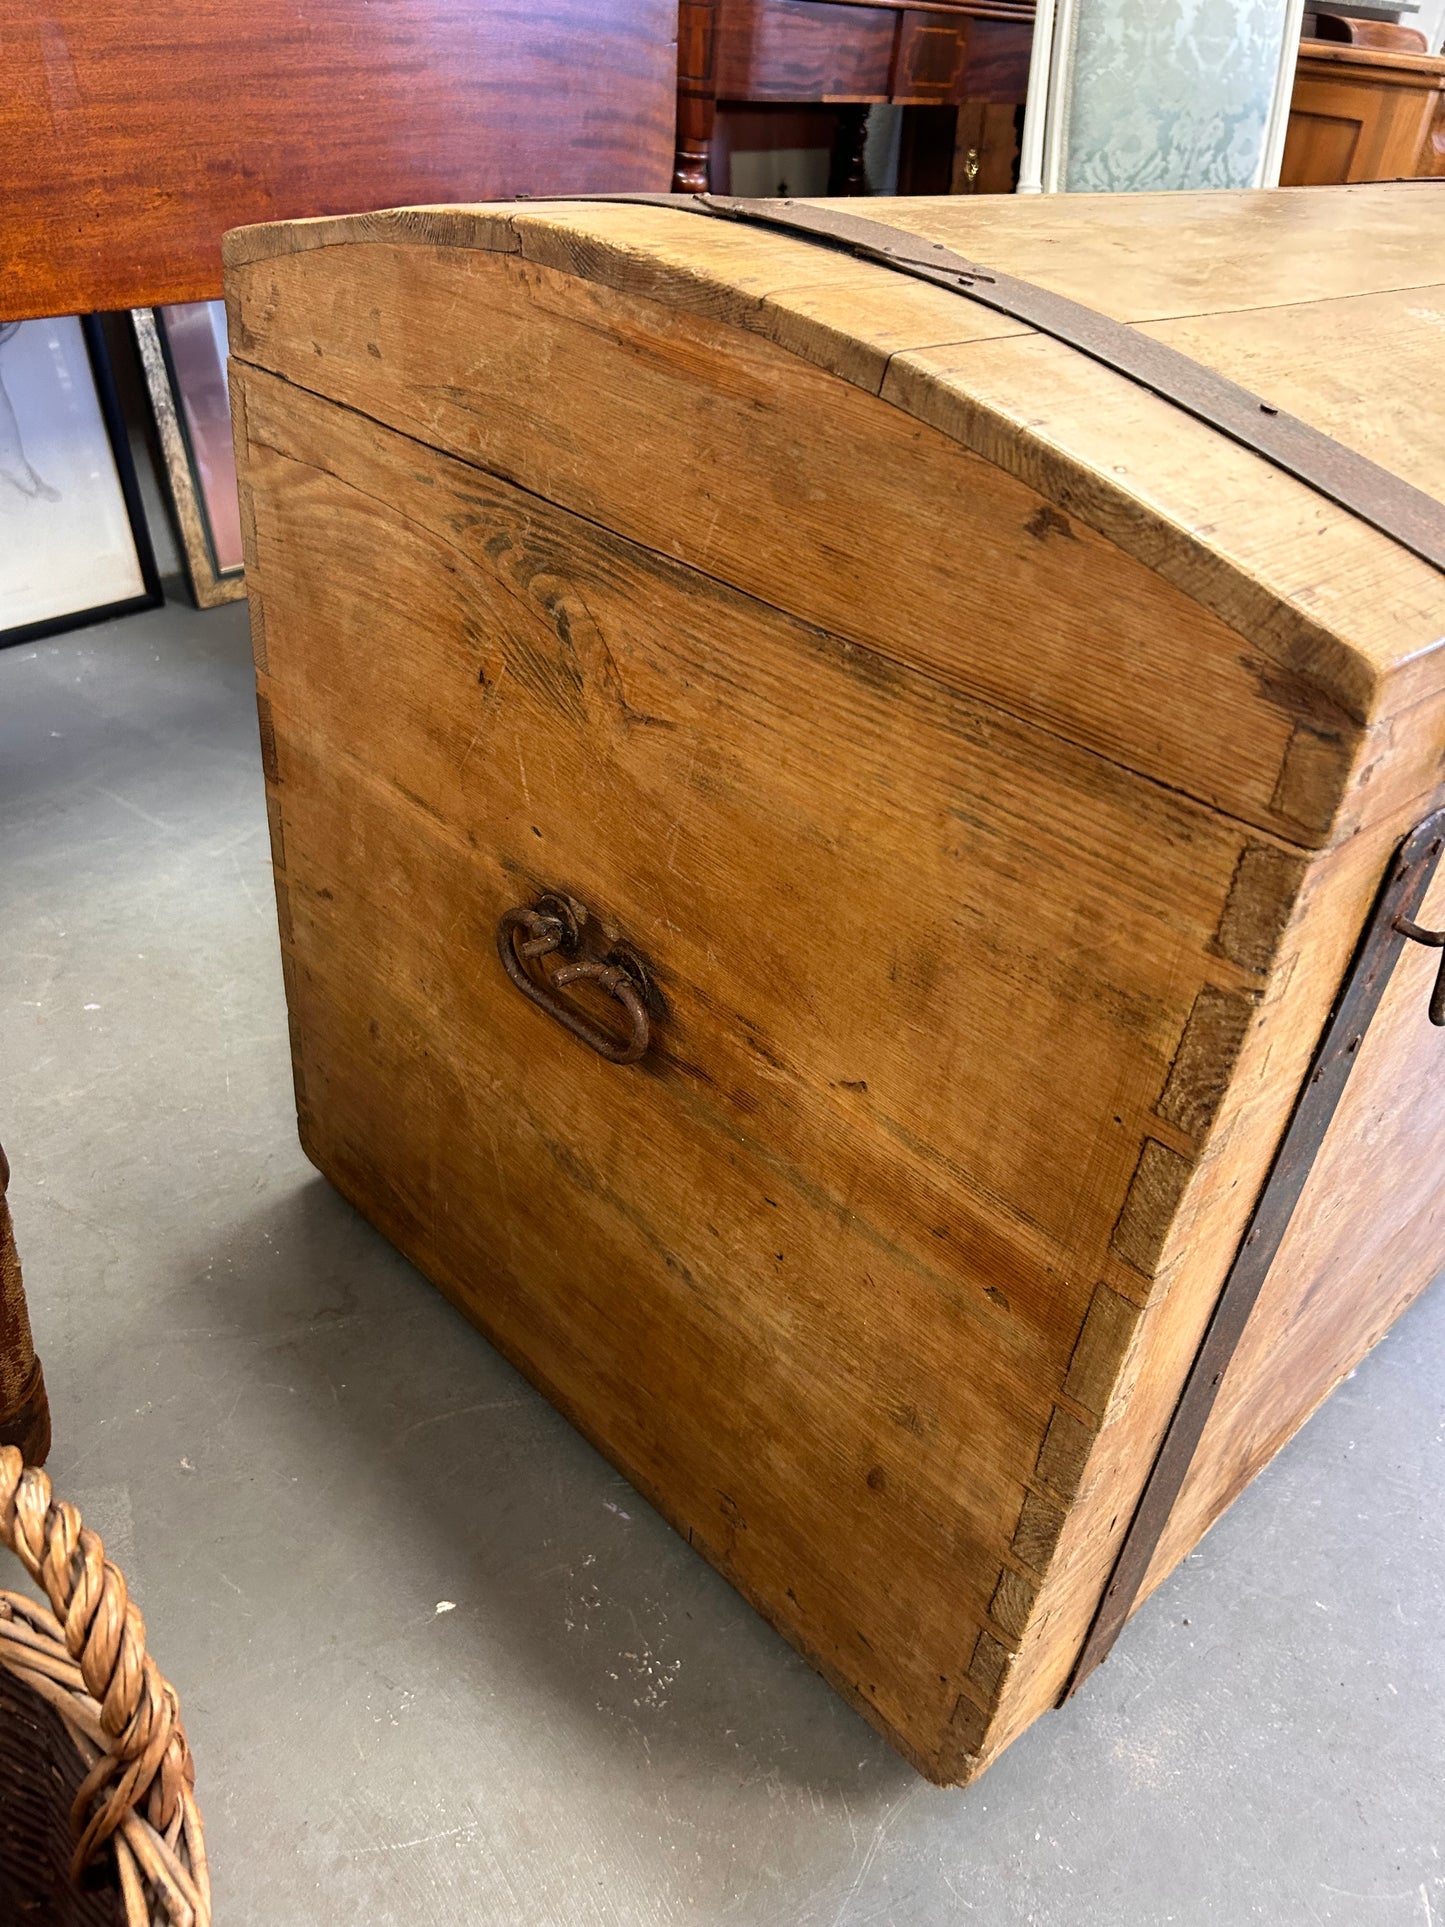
134 135
24 1406
997 778
1367 1237
696 94
929 65
804 50
1236 1139
795 526
1151 257
1324 357
624 728
1360 113
839 50
1224 526
997 67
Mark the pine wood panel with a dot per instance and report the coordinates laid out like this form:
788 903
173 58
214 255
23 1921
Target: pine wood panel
1149 257
979 904
1343 356
1226 527
1321 358
1199 1228
624 728
1367 1237
134 135
813 469
1283 566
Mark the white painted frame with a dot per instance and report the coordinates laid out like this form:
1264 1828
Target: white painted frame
1277 126
1036 102
1044 145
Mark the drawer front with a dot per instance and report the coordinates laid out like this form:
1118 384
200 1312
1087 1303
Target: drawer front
804 50
812 1270
932 52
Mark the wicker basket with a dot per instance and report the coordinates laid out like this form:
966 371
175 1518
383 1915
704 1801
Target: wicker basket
98 1817
24 1413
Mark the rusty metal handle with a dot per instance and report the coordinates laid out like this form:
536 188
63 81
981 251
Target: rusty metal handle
544 930
1432 940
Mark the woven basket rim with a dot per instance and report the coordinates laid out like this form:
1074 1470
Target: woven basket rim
85 1656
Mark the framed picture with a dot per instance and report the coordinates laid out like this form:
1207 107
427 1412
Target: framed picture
183 351
1137 95
73 541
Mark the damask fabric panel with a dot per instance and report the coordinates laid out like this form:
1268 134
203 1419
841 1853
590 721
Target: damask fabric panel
1169 93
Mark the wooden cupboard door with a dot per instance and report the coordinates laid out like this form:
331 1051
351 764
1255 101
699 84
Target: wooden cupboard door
985 149
1320 147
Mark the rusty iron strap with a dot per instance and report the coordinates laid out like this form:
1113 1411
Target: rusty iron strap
1343 476
1385 936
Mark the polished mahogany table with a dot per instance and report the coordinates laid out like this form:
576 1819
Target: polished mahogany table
133 133
969 54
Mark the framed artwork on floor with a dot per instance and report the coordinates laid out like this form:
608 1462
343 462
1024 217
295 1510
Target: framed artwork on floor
183 351
73 541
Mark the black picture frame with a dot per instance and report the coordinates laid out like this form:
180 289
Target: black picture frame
103 378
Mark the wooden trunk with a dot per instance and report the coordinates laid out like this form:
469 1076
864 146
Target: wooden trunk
994 769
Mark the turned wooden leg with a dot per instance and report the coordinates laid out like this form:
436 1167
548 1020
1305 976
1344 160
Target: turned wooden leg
846 174
24 1408
696 95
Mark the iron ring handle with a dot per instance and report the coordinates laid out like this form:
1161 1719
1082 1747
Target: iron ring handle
1432 940
611 978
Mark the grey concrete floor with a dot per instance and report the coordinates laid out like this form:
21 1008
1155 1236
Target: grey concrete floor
439 1663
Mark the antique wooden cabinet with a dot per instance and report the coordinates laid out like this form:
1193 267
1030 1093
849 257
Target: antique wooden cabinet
1362 113
818 828
972 55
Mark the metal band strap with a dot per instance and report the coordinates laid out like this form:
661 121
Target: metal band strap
1343 476
1386 935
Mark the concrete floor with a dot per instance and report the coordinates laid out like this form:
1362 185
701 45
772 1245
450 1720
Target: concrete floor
438 1661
